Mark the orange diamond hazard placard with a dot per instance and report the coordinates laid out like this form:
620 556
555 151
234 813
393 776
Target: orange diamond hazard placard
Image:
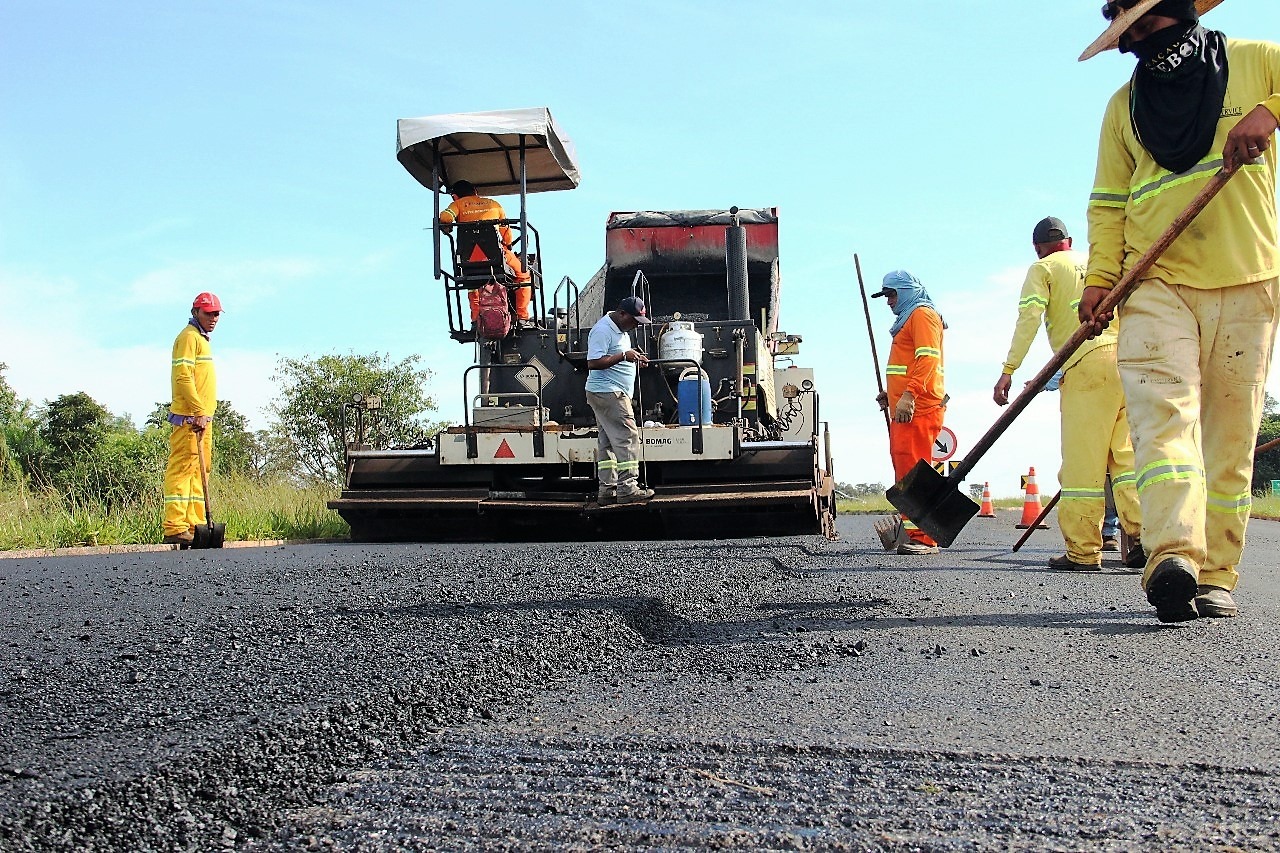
504 451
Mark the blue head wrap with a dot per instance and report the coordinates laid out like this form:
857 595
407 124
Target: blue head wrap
911 295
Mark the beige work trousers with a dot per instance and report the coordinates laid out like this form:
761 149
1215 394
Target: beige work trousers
618 452
1193 364
1095 442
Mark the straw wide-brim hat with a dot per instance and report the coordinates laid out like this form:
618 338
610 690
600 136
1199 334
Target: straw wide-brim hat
1111 38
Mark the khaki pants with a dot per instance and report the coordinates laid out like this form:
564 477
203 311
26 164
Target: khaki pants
1193 363
1095 442
183 490
618 454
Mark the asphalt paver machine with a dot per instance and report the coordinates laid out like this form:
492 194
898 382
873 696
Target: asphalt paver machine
731 439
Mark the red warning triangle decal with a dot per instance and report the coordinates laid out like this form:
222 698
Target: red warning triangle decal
504 451
477 255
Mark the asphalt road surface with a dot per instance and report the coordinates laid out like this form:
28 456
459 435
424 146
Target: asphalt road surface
745 694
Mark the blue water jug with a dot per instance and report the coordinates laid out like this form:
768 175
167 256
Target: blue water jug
687 395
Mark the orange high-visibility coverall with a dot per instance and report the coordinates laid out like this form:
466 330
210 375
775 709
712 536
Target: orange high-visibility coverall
195 393
915 365
474 208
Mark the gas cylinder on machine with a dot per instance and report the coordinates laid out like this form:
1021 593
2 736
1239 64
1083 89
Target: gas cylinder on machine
682 341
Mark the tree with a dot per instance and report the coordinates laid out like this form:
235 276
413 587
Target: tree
73 426
17 431
1266 466
310 415
9 402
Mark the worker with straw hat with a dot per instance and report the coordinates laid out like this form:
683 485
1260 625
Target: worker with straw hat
1195 345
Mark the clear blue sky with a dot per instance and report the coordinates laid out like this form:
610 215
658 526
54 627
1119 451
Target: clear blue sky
152 150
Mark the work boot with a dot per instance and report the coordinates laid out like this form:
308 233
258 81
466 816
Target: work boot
636 497
1066 564
912 548
182 540
607 499
1172 589
1111 543
1215 602
1137 556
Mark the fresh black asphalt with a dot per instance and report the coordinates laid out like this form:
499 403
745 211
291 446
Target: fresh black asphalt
749 694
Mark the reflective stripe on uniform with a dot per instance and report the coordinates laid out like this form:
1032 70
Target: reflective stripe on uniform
928 352
1108 197
1201 171
631 465
1122 478
1083 494
895 370
1229 504
1033 299
606 464
1166 469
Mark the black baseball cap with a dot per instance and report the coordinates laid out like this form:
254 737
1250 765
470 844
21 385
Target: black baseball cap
634 306
1051 229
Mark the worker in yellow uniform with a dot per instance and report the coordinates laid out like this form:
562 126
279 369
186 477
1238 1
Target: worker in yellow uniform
467 206
1195 345
913 387
1095 432
195 397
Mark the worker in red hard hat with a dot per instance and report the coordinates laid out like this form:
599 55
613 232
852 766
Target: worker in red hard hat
468 206
195 396
1195 346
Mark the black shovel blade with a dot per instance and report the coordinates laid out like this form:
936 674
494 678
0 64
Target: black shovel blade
933 503
208 535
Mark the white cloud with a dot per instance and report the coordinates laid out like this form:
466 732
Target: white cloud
236 282
53 347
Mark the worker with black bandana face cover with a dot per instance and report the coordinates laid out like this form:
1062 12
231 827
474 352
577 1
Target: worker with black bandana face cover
1195 346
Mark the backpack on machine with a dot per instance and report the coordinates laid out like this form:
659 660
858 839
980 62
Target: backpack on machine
495 320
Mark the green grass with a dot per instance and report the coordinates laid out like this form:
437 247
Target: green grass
1266 507
878 504
251 509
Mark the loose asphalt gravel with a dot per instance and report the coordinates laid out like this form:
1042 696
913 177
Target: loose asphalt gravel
748 694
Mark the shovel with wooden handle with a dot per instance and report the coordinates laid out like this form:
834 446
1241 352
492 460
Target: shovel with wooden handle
934 502
871 334
889 528
207 535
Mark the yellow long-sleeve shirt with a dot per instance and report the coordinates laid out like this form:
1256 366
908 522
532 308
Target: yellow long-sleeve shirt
194 384
915 360
1234 240
1052 290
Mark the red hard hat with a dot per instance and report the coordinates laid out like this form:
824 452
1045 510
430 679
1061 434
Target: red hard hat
207 302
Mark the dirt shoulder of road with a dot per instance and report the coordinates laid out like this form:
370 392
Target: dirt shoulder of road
95 550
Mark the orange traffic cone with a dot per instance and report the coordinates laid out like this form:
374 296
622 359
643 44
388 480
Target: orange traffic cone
987 511
1031 508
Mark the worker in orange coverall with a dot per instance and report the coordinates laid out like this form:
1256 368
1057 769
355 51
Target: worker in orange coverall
467 206
914 392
